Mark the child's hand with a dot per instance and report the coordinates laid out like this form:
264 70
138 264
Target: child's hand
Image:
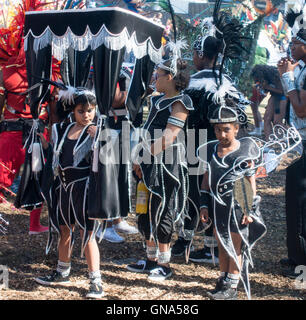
204 215
246 220
137 170
44 143
92 131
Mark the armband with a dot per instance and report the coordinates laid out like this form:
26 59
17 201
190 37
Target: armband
176 122
288 83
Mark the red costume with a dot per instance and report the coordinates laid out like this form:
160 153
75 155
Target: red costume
12 126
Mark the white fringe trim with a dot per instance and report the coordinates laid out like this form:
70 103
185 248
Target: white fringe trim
112 41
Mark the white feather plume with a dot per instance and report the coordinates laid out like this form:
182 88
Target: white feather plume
221 92
207 27
299 5
66 96
177 47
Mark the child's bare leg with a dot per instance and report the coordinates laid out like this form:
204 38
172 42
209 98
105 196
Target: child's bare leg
92 253
278 117
233 271
268 118
63 248
237 245
223 256
64 264
151 250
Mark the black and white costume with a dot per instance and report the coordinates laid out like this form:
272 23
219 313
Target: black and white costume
219 40
67 197
296 186
165 175
226 213
223 172
201 89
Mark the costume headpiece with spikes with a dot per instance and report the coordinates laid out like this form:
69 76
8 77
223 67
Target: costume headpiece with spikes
221 34
175 54
223 114
174 47
296 19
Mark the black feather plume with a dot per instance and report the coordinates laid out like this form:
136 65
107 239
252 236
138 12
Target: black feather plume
173 19
291 16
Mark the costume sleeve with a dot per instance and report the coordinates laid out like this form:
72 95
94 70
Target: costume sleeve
187 102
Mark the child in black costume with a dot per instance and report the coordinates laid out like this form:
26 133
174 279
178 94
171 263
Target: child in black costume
229 160
67 197
166 181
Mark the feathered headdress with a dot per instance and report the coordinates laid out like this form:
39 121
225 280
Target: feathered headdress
11 38
175 47
222 36
296 18
223 27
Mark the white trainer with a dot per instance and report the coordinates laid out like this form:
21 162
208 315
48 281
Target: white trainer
124 227
111 235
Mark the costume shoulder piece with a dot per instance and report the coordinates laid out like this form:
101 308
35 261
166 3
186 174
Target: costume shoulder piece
81 149
164 103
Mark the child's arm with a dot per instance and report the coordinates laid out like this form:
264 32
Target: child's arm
180 113
252 180
204 216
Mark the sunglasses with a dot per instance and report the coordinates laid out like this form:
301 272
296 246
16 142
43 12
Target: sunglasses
156 76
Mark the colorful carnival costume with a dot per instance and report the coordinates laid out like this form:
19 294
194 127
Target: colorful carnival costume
17 119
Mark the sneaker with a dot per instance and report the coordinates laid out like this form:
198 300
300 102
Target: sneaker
53 279
112 236
290 273
218 286
204 256
225 293
142 266
287 262
179 247
95 291
160 273
38 230
124 227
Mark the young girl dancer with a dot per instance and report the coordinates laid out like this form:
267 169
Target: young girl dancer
166 180
67 199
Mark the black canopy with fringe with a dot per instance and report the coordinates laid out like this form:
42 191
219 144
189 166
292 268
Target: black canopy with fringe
106 34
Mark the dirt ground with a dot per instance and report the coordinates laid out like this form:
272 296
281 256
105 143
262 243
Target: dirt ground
24 255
